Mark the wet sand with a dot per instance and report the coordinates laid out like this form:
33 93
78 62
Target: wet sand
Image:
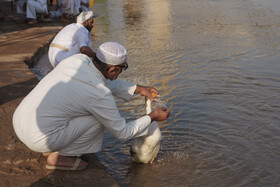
20 43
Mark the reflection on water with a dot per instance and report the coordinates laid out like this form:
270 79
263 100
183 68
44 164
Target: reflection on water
272 5
216 65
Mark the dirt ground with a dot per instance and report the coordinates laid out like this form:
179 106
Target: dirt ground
19 43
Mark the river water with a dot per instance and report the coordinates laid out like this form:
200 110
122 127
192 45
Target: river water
216 64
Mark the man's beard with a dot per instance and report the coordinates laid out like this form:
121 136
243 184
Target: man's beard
88 28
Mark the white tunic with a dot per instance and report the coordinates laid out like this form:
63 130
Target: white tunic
70 107
71 37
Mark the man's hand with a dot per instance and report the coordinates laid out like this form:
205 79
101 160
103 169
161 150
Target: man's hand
159 114
149 92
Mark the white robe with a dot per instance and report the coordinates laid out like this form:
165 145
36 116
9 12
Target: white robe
72 37
69 109
36 6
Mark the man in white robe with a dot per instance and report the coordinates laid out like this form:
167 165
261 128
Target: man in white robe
72 39
31 8
67 112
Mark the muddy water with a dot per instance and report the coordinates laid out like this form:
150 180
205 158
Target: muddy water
216 64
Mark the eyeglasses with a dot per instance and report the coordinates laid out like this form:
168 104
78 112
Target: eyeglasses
124 67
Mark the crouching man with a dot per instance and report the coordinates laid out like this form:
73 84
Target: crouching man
67 112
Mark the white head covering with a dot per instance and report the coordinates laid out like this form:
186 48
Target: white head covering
83 16
111 53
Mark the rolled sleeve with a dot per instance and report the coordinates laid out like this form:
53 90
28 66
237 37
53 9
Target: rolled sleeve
106 111
83 40
121 88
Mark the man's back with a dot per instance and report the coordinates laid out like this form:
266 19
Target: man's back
70 34
65 93
68 42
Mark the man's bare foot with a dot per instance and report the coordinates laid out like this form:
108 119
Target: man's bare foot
46 154
64 20
32 22
55 159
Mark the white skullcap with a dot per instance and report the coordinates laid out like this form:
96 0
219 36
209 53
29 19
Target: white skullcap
111 53
83 16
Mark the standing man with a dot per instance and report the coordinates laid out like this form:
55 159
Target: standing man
72 39
67 112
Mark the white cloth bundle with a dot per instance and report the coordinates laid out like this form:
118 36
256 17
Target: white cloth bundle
144 149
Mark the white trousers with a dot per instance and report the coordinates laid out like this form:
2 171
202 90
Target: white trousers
71 7
20 5
79 136
84 9
82 135
33 7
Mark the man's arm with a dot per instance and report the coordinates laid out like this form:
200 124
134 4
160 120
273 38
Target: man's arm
87 51
105 110
122 89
